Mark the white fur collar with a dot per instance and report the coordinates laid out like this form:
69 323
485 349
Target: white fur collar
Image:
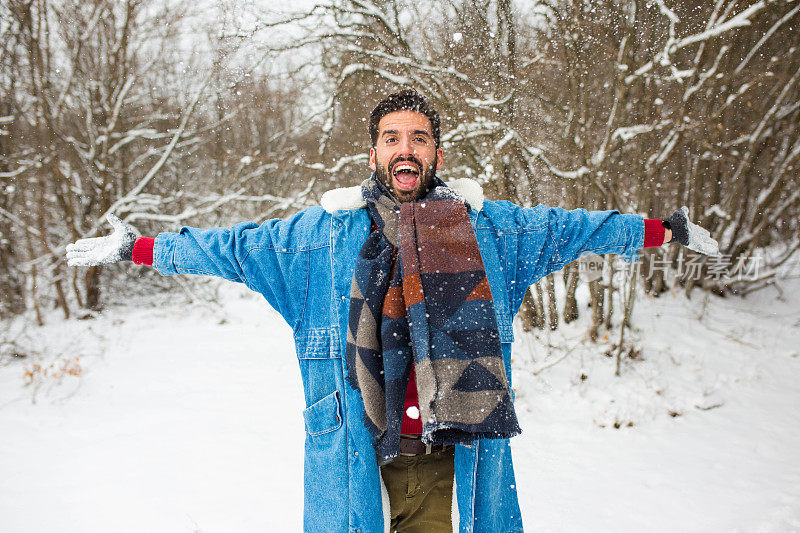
350 197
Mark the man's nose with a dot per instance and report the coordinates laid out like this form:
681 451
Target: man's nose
407 147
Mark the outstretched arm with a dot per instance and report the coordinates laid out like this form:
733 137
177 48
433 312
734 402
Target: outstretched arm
551 237
271 258
213 252
578 232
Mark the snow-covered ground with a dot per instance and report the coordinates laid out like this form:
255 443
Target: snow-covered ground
183 417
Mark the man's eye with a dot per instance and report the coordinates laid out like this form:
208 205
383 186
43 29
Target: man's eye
390 140
421 140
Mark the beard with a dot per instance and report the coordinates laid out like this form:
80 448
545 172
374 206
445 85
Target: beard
424 185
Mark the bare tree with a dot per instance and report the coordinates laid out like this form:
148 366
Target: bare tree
692 104
11 282
106 112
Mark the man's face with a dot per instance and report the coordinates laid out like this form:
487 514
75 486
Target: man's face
405 157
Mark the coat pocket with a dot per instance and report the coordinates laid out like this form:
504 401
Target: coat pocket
323 416
320 363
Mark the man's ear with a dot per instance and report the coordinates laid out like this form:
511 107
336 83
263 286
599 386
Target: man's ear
439 159
372 163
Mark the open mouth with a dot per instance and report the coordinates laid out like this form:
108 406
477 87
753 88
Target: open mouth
406 174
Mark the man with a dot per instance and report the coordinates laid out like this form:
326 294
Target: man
401 294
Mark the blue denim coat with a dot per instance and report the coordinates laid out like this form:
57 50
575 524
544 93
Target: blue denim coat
303 266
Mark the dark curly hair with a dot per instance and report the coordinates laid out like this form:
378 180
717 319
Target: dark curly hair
406 99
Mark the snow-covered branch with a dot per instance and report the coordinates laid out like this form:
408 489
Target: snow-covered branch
341 163
212 204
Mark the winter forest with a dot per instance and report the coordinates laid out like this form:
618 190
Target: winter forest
661 394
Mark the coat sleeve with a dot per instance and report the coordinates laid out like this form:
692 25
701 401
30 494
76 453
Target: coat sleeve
551 237
269 258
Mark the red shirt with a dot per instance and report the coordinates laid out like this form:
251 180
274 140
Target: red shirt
411 426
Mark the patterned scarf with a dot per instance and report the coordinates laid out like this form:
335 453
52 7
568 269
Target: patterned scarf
432 308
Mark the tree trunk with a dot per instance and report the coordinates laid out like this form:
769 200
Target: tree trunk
596 302
655 264
609 294
530 312
61 297
91 281
11 283
552 307
571 285
33 280
630 299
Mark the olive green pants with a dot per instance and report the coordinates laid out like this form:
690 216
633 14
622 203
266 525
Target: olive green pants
420 492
